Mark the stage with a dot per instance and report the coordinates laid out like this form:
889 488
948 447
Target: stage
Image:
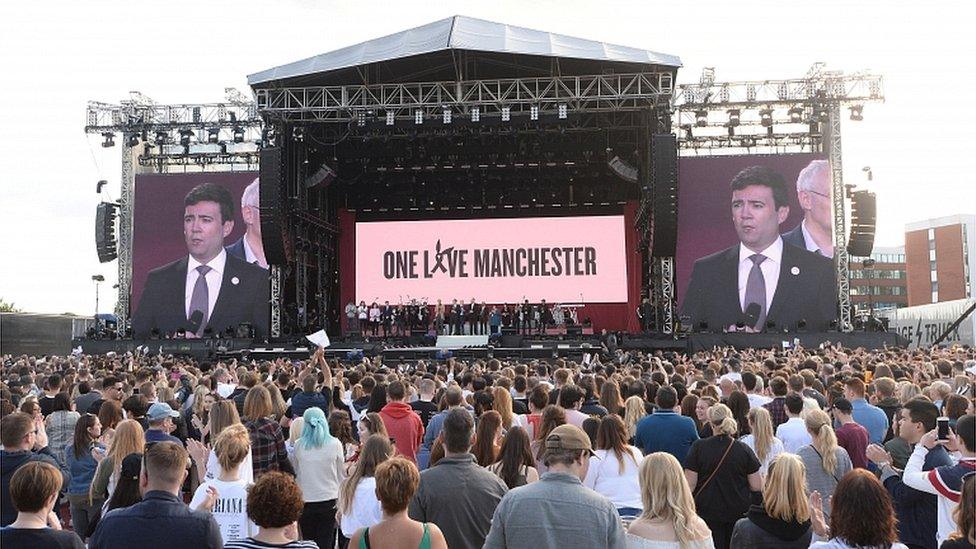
509 347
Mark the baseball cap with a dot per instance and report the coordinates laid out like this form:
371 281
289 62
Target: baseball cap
568 437
159 411
843 405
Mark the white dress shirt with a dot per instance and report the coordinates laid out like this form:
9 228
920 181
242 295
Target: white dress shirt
250 257
794 434
770 270
214 278
808 239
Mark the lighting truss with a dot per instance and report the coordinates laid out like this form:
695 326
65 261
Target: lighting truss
596 93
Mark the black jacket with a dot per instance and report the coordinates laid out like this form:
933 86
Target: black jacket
9 463
759 530
161 520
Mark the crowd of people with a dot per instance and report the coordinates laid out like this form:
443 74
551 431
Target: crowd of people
455 318
829 447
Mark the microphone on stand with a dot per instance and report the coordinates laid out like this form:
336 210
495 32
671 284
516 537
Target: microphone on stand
196 319
753 310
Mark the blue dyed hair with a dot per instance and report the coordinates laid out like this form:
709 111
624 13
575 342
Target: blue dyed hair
315 431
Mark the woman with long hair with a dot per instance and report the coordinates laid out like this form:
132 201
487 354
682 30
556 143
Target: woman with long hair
340 425
761 439
377 399
358 506
502 403
613 470
267 438
826 462
701 413
689 408
668 519
487 438
722 472
634 411
965 516
861 515
318 460
552 416
109 415
610 398
129 439
783 518
197 415
278 405
60 426
83 456
738 403
515 465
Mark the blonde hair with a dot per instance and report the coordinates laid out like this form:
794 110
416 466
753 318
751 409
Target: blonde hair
907 391
223 414
232 446
295 430
824 439
502 403
665 494
198 396
633 412
257 403
784 495
762 431
720 416
129 438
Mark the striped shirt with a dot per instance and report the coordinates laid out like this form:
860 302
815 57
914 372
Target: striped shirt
251 543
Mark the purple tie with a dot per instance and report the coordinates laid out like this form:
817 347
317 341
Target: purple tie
200 299
756 289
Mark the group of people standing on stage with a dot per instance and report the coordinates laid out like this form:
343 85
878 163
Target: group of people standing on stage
455 318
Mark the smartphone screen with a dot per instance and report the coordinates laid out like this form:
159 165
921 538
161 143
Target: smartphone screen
942 424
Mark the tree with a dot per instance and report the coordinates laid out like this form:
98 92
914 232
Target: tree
8 307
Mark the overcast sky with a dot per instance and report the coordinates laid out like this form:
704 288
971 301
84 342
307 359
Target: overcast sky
55 56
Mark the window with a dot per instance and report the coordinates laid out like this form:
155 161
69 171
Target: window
935 286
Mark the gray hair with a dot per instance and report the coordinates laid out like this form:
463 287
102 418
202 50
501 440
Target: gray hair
813 171
251 196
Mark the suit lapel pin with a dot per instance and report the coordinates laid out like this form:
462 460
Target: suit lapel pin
235 281
794 271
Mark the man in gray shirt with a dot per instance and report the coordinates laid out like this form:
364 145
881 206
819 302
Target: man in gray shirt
558 511
457 494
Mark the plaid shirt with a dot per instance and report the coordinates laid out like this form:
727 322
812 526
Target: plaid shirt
268 447
777 411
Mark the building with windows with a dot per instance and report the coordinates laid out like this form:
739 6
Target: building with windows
879 282
940 260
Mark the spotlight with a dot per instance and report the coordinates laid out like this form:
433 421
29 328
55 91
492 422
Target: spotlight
733 118
688 132
298 133
185 136
418 116
506 114
857 113
701 118
563 111
238 134
748 142
446 116
109 140
132 140
213 136
390 118
534 112
475 114
196 115
766 117
796 115
361 119
161 138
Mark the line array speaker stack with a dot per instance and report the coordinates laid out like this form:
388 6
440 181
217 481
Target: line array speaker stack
664 194
863 219
274 229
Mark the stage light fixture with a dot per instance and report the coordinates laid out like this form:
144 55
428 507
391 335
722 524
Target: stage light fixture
298 133
390 118
475 114
161 138
534 112
796 115
418 116
563 111
506 114
361 119
748 142
766 118
109 140
196 115
446 116
132 140
213 136
701 118
857 113
688 132
750 92
238 134
185 136
734 117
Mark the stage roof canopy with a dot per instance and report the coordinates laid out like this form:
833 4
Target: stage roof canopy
463 48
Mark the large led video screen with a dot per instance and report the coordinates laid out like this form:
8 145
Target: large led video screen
559 259
198 266
755 243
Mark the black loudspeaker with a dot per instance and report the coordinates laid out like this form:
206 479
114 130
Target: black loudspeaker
863 220
508 330
274 228
513 341
574 330
105 245
664 194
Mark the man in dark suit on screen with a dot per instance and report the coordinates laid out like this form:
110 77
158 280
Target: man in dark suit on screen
815 232
249 247
761 280
209 288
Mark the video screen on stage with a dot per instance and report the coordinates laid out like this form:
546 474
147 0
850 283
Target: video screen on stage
559 259
198 265
755 243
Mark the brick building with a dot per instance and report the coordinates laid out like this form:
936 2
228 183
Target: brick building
882 284
940 260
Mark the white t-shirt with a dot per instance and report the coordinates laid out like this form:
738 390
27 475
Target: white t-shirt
794 434
755 401
230 509
775 449
225 389
604 476
366 510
